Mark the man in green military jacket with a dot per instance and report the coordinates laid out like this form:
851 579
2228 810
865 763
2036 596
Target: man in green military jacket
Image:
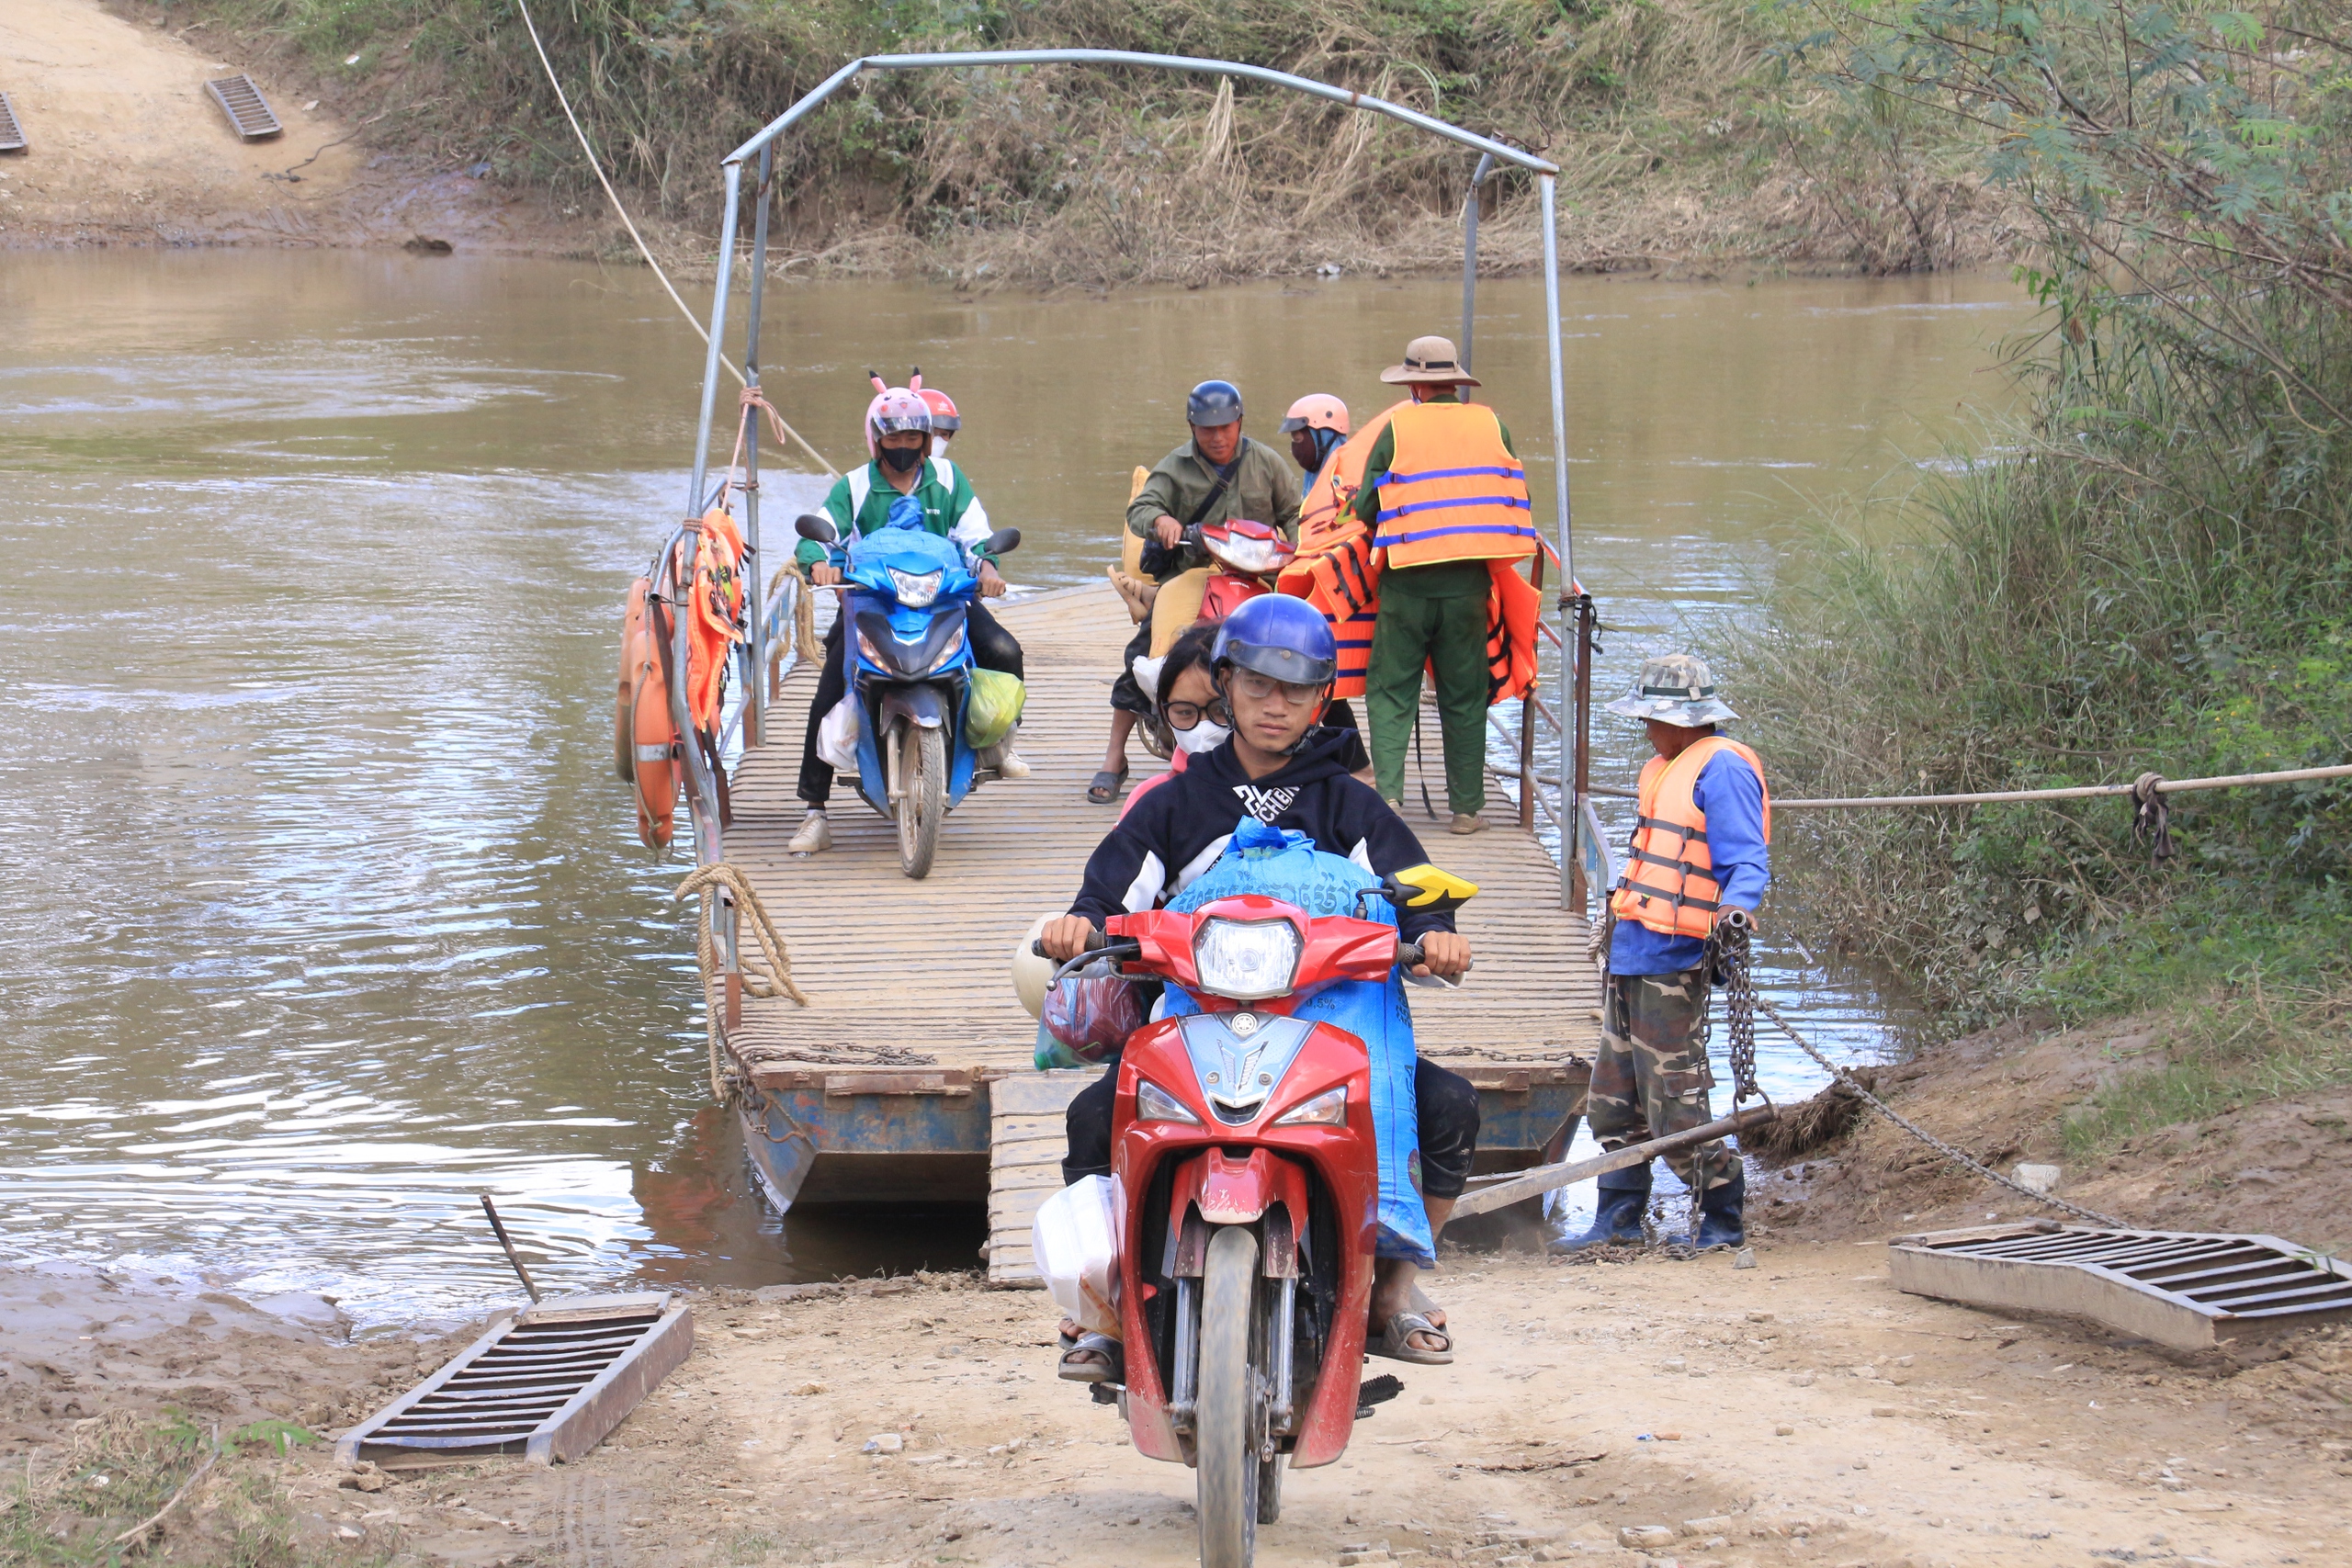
1218 474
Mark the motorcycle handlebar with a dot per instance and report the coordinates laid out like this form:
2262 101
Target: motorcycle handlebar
1095 942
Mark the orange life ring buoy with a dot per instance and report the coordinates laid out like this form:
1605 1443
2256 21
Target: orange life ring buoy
645 734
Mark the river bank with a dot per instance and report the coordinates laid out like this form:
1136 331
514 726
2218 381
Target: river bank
1677 158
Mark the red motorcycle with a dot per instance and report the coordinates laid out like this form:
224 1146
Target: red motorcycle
1249 555
1246 1186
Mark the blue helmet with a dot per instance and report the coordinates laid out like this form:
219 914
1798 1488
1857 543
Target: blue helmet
1281 637
1212 403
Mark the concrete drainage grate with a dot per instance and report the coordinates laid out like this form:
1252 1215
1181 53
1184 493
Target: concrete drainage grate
12 133
547 1385
2186 1288
249 113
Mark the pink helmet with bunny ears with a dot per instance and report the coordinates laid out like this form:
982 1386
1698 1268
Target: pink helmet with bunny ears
895 409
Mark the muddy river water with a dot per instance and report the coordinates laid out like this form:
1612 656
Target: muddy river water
323 912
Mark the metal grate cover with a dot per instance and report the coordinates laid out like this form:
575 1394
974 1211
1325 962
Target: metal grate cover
248 111
547 1385
2186 1288
12 134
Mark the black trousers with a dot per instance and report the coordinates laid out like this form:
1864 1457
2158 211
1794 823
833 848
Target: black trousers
1448 1121
993 648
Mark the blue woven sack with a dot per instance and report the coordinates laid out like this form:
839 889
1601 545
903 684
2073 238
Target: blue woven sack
1286 865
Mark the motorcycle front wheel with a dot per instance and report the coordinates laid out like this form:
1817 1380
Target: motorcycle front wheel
1229 1416
922 802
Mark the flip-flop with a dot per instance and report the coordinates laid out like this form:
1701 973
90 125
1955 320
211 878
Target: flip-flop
1112 1367
1106 785
1396 1342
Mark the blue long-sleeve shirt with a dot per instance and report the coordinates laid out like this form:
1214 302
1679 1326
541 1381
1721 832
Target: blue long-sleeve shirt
1732 797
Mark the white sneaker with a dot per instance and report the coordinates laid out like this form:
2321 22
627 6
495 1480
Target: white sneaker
815 834
1009 764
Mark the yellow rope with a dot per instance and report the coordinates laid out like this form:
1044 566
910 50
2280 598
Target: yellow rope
767 974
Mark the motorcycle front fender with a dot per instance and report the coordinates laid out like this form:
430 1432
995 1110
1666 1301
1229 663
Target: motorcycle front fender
924 705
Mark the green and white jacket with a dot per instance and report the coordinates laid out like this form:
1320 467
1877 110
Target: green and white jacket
860 501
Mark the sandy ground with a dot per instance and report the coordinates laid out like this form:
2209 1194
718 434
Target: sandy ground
126 148
1800 1411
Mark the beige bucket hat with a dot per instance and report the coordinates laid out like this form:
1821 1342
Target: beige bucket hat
1675 688
1432 361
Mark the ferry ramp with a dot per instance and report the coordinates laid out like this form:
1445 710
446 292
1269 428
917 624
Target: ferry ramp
908 1077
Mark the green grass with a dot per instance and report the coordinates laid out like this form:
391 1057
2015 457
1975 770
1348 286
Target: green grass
65 1509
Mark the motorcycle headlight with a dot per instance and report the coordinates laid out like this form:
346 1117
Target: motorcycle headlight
1154 1103
914 589
1246 961
1329 1109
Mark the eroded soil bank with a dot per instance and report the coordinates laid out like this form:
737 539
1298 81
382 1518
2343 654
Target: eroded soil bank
1800 1411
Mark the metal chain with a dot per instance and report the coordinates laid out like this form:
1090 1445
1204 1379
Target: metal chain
1729 964
1973 1165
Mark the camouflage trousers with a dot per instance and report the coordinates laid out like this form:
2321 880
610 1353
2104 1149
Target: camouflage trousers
1651 1077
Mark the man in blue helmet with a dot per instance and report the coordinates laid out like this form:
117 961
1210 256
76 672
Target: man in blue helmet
1274 658
1218 474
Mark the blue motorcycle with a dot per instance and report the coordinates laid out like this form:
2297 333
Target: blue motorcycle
910 668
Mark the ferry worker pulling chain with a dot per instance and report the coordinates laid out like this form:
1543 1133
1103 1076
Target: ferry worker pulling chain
1444 496
905 462
1700 849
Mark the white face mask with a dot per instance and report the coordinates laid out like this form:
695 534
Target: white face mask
1205 736
939 444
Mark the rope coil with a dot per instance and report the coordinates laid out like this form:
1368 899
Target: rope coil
767 974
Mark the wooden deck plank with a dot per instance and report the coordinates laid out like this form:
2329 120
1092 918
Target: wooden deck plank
895 965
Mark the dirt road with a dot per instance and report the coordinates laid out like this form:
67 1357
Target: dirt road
126 148
1799 1412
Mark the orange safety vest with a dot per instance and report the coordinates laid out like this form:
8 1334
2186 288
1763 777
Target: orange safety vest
1668 884
1452 492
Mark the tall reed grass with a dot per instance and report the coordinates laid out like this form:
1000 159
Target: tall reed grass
2152 573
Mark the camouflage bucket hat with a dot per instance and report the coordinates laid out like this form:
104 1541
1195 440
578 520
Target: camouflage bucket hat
1676 688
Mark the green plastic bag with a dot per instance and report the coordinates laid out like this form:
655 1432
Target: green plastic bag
994 707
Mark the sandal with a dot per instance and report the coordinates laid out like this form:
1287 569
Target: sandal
1110 1367
1397 1341
1106 786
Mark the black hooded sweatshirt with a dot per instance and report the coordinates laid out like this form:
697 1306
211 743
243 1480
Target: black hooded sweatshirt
1177 831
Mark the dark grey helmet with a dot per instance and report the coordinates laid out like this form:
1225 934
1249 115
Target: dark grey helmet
1212 403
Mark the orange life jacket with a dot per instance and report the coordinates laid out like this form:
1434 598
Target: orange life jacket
1668 884
1328 515
1452 492
1344 584
714 621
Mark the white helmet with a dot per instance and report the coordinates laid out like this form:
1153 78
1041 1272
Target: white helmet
1031 974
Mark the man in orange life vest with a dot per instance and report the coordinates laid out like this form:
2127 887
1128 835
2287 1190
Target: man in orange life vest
1444 496
1702 847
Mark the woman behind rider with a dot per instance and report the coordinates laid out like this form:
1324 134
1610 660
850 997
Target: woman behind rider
903 465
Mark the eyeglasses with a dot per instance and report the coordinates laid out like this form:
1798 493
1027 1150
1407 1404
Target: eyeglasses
1262 688
1184 715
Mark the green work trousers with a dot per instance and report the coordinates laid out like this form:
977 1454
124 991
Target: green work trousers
1435 615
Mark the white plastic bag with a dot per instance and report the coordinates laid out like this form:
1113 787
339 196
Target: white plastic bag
1076 1244
837 736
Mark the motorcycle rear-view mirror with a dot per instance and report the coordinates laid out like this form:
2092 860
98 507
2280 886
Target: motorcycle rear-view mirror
815 529
1002 542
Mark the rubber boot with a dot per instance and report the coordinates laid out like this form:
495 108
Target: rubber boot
1618 1218
1719 1223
